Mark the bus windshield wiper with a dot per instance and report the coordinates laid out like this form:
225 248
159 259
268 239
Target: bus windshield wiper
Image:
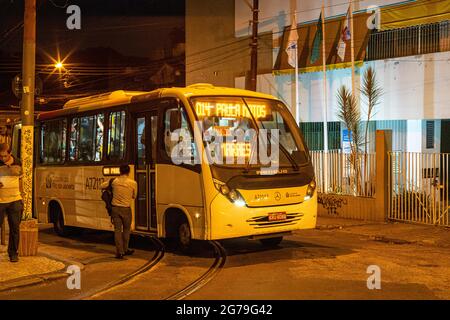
286 153
289 157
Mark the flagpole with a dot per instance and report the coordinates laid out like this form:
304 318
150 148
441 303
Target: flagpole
325 102
352 49
324 68
297 98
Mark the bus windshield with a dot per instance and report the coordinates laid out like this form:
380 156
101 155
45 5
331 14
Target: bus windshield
250 129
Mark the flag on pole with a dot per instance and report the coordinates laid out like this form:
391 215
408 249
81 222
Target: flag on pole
315 53
345 36
291 47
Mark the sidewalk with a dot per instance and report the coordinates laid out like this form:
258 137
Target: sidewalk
390 232
29 270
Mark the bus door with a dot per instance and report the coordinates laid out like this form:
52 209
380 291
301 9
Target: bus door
145 142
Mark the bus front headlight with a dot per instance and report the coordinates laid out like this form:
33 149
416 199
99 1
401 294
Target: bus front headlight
310 190
233 195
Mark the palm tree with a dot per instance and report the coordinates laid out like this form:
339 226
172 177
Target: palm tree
350 114
372 93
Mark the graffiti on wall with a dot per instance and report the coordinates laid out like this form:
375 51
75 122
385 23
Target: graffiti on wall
331 203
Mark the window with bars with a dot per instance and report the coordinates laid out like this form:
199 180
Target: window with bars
409 41
313 133
430 134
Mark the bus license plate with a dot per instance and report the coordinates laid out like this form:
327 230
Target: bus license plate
277 216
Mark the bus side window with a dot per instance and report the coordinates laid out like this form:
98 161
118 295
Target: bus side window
73 143
86 138
53 142
116 136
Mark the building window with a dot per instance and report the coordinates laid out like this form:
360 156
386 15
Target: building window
408 41
430 134
313 134
53 142
116 133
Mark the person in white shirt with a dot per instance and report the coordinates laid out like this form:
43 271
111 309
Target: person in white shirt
124 191
11 203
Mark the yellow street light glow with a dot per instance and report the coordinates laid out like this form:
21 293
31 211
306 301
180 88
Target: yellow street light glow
58 65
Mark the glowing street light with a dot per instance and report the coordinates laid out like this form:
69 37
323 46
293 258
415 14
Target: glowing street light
59 65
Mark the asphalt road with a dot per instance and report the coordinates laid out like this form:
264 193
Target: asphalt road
313 264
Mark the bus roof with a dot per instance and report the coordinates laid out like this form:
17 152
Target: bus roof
120 97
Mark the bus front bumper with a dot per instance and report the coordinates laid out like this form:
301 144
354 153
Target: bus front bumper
231 221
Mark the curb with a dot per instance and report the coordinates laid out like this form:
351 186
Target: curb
41 278
383 238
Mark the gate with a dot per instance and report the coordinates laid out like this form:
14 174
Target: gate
419 187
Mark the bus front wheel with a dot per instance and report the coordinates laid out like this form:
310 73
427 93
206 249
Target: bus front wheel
271 242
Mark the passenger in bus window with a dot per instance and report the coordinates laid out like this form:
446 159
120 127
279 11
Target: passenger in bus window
124 191
86 150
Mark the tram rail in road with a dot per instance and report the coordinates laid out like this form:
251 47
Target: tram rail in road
149 265
214 269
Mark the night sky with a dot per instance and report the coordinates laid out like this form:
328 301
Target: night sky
121 44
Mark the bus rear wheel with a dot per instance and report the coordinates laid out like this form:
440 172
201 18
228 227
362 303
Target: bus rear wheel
58 221
271 242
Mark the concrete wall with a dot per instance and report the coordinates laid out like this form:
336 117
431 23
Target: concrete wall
364 208
347 207
213 53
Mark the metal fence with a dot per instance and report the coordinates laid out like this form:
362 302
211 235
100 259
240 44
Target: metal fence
338 172
409 41
419 187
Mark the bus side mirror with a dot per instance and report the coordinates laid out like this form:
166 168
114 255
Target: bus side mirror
175 120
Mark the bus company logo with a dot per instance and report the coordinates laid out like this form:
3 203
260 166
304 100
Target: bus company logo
271 172
292 194
277 196
49 181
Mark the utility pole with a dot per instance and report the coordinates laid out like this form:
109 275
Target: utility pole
254 47
27 109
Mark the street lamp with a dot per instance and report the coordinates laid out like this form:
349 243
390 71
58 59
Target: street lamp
59 65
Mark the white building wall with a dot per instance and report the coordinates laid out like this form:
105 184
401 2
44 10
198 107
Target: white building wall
414 88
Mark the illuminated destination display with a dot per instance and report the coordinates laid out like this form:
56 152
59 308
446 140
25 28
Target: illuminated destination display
236 150
229 109
111 171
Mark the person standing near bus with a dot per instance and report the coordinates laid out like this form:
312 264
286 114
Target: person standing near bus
124 191
10 198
